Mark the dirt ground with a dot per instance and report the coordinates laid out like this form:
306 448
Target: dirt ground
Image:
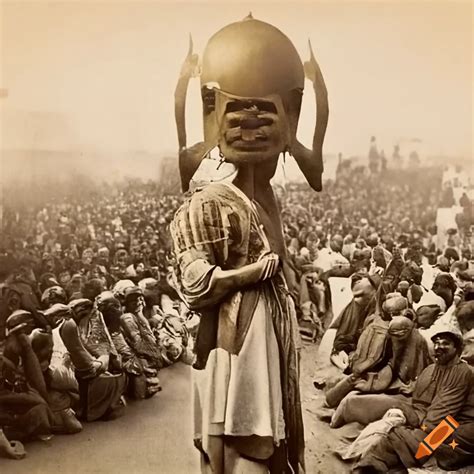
320 439
149 438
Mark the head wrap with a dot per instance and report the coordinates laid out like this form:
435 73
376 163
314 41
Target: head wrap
132 291
400 327
80 304
120 287
394 303
430 312
465 313
53 293
57 312
430 298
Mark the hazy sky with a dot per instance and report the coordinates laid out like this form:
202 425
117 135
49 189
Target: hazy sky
89 75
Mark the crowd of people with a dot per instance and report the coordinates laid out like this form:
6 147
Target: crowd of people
90 312
399 357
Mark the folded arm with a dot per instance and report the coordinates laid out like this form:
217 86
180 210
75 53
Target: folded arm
205 285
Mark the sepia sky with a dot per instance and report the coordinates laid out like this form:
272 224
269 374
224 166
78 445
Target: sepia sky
101 76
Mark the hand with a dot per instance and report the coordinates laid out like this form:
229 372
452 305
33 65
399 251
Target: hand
344 358
269 265
340 360
363 385
97 367
407 389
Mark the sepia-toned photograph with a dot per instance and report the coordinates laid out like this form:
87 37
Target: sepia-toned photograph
236 237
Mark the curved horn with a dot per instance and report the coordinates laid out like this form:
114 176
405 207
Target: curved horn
189 158
188 70
311 161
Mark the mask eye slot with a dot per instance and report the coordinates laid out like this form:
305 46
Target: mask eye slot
257 105
208 99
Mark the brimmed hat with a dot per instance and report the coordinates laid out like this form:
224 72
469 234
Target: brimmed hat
19 319
132 291
459 265
448 330
57 312
57 309
105 296
47 280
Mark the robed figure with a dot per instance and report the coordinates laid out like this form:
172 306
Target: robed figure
230 253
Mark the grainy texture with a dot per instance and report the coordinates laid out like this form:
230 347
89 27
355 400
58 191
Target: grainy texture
154 436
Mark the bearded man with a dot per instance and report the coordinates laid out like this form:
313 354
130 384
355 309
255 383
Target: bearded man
443 388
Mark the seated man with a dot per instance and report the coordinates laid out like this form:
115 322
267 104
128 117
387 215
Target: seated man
373 347
409 358
61 384
142 380
465 318
97 366
24 411
151 310
372 354
137 331
443 388
350 322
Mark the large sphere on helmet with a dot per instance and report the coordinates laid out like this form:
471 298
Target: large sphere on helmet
251 58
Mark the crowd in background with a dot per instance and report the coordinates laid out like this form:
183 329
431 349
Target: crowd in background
398 357
89 312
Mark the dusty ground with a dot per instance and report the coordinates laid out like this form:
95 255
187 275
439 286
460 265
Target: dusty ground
155 435
152 437
320 439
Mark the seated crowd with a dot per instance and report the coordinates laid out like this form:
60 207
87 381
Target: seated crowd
79 336
402 348
89 312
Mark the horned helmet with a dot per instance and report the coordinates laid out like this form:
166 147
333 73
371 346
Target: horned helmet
252 81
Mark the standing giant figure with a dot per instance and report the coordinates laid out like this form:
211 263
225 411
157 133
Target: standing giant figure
229 246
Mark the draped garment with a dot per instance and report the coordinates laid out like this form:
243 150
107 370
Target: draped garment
246 382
